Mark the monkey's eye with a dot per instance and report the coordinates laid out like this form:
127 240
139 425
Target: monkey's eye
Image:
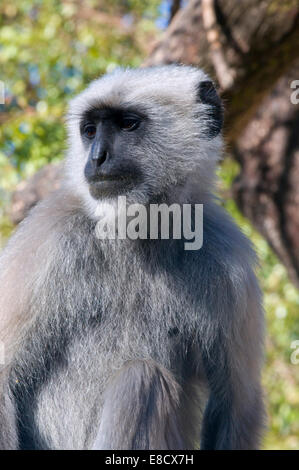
89 131
129 123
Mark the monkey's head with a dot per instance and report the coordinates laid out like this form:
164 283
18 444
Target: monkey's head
143 133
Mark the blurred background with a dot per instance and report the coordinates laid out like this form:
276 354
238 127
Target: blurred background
51 49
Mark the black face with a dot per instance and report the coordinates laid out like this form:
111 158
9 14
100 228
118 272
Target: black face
110 136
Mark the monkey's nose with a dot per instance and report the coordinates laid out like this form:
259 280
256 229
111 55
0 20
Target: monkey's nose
99 159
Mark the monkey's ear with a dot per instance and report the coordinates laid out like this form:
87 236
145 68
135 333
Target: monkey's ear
207 94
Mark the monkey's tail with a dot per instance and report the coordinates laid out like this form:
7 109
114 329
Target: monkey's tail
141 410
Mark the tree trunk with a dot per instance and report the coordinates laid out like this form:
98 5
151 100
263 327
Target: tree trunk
250 48
266 189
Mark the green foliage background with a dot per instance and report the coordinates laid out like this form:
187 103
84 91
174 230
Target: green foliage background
49 51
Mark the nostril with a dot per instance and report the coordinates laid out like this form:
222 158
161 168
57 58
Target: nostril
101 158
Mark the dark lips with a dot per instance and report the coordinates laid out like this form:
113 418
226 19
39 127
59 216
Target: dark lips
106 178
108 186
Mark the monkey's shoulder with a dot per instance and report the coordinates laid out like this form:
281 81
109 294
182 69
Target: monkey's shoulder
223 239
226 262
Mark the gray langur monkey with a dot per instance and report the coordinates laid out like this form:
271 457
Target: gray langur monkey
132 344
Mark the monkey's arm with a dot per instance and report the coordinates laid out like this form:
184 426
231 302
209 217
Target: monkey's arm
14 306
24 266
232 355
228 346
20 272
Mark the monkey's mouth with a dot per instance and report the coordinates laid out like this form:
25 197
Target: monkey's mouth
110 185
102 178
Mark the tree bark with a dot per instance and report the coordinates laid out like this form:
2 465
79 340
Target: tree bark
29 192
266 190
175 6
250 48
